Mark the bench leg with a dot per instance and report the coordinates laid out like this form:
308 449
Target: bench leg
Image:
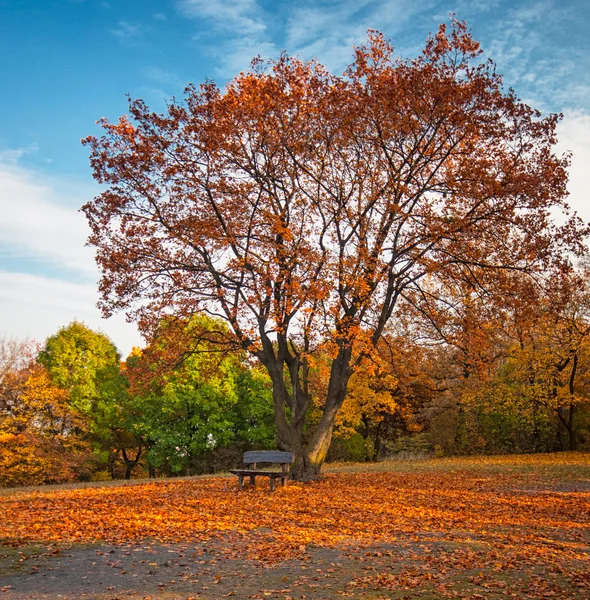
240 482
283 481
253 480
272 484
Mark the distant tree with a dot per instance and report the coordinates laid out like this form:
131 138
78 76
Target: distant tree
553 350
15 358
14 355
253 418
40 439
307 209
87 365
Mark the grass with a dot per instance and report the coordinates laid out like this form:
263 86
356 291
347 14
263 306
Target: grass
558 465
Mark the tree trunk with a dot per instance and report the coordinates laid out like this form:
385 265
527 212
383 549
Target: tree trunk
310 453
572 407
377 443
130 464
570 428
461 432
366 430
567 419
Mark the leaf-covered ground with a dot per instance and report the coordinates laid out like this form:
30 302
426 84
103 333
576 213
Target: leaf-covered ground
496 527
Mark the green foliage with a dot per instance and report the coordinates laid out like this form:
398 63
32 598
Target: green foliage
348 449
505 419
211 400
82 361
253 414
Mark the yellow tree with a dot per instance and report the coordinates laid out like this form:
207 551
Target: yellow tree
386 393
553 349
39 431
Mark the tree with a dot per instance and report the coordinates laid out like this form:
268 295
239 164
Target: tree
386 393
307 209
14 355
552 349
39 431
86 364
80 360
185 395
466 321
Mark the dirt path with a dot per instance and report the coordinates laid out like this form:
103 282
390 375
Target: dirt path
156 571
418 568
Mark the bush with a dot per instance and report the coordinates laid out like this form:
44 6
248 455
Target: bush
412 447
347 449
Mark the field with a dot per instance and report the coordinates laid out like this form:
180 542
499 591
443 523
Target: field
493 527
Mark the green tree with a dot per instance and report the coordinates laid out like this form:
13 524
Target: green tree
82 361
87 364
191 399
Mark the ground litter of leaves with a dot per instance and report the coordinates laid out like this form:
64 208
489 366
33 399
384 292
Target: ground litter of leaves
472 528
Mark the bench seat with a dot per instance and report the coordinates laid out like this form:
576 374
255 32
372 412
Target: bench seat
264 456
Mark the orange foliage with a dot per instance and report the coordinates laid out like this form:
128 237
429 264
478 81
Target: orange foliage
39 432
31 459
495 500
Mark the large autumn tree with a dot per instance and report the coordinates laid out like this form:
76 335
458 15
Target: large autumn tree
306 208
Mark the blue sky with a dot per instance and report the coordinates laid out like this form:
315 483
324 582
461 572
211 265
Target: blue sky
66 63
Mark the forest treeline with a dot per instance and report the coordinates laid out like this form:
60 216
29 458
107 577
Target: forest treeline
461 374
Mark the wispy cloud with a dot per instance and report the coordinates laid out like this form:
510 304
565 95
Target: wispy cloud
162 76
329 30
127 32
240 17
12 156
533 46
323 29
39 224
240 29
36 307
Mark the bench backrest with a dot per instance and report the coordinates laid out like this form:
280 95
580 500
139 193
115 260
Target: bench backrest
268 456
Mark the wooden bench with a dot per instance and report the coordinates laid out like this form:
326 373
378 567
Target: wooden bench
255 457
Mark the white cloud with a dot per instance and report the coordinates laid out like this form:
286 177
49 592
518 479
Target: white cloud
162 76
240 17
127 32
37 223
538 50
329 32
574 136
36 307
238 55
240 29
11 156
41 223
